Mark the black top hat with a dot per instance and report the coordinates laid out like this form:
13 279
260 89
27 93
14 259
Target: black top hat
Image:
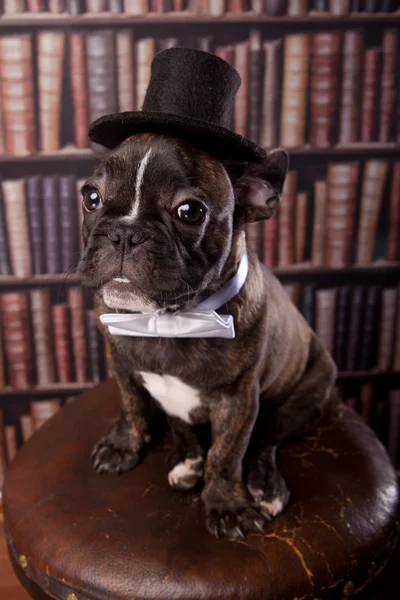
190 94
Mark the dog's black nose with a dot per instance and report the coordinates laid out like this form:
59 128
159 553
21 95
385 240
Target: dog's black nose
127 235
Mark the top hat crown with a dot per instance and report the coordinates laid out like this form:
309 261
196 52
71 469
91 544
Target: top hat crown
191 95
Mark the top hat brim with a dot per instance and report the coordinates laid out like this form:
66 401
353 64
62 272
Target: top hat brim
111 130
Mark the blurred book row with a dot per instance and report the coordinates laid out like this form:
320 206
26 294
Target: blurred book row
317 89
44 341
335 224
272 8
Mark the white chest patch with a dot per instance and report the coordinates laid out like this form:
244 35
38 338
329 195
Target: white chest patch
176 398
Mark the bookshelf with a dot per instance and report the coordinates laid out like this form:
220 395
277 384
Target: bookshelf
369 275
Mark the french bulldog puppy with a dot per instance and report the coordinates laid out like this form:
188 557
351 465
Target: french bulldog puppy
163 230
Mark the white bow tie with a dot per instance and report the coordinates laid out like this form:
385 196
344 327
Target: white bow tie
201 322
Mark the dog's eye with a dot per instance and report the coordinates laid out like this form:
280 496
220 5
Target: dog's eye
191 212
92 201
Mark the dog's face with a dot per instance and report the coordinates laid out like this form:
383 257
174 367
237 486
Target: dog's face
161 221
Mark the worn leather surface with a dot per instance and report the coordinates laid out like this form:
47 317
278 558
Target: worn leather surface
131 537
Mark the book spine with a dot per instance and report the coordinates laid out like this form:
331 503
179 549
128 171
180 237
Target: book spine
2 133
294 95
369 94
355 328
396 356
43 410
341 327
3 451
115 6
50 77
387 329
55 6
254 101
96 6
79 88
27 429
349 118
75 7
241 64
2 356
321 5
368 357
325 317
339 7
61 342
297 8
78 335
367 400
17 339
136 7
271 96
17 97
325 49
275 8
42 336
340 220
12 7
94 346
36 5
388 83
374 178
308 304
35 216
286 209
217 8
145 51
125 69
17 226
319 224
68 223
394 215
270 236
5 266
100 56
301 225
10 438
51 224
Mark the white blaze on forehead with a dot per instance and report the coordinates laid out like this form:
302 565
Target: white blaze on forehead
139 182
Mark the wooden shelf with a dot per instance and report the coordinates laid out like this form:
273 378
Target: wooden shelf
70 153
64 389
30 20
294 271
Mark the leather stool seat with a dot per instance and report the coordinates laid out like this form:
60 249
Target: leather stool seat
77 535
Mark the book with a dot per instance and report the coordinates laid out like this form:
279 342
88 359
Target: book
301 202
35 6
369 344
369 94
145 51
321 5
2 359
11 7
17 96
324 78
55 6
61 342
325 317
43 410
2 135
79 185
351 84
94 346
387 329
68 223
50 56
294 90
125 70
297 8
255 70
27 430
217 8
374 179
34 205
396 353
136 7
17 339
79 88
100 56
115 6
241 103
254 237
355 331
42 336
366 401
10 438
270 235
204 43
51 223
3 451
78 335
308 304
269 133
5 266
341 326
319 224
286 212
275 8
17 226
393 234
339 7
342 187
394 426
96 6
388 83
74 7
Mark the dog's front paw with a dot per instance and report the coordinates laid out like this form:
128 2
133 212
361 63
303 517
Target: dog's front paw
186 474
230 514
270 498
112 456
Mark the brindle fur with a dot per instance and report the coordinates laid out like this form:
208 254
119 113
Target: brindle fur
271 382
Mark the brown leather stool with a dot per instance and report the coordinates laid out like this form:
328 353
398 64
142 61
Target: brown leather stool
75 535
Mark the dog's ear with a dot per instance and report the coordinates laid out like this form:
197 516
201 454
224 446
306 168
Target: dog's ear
258 186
